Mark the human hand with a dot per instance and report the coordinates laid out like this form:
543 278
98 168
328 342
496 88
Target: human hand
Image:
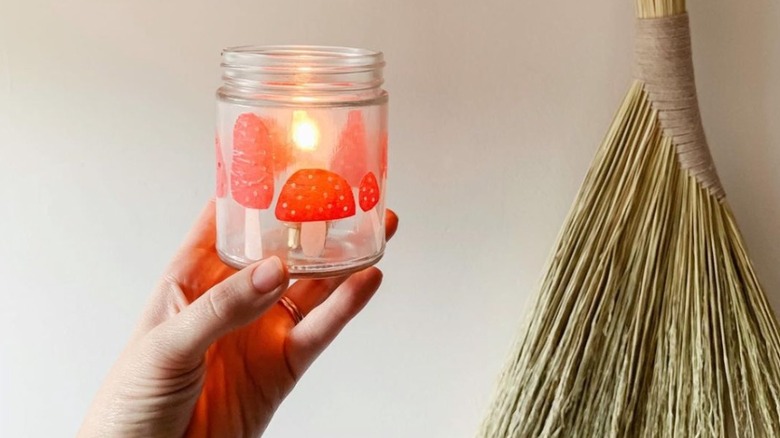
213 355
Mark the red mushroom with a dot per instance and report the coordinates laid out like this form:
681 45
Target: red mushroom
369 192
309 199
350 157
252 177
369 197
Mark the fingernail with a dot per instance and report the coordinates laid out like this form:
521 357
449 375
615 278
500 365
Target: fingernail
268 275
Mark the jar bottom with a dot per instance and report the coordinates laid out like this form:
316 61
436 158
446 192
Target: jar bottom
313 271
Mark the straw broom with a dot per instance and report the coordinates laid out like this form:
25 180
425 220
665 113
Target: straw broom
650 321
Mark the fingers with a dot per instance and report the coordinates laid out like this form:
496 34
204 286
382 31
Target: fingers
328 311
234 302
203 233
391 224
312 335
198 248
308 294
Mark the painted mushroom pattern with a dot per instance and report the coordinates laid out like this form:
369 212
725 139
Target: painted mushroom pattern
368 195
369 192
311 198
350 157
252 177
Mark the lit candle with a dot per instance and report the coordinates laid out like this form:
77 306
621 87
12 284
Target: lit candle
310 236
305 133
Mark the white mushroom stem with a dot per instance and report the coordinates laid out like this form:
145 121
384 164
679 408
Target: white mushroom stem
253 235
294 236
313 236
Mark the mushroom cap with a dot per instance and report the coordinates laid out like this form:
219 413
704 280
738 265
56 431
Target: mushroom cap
221 191
350 156
311 195
369 192
251 174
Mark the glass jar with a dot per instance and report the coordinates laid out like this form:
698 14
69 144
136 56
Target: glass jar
301 148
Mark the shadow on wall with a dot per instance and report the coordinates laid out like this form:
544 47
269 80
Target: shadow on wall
738 43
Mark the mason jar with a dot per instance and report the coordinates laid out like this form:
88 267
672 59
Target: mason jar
301 158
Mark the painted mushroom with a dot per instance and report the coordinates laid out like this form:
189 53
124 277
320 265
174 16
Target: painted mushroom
252 177
350 157
309 199
368 198
369 192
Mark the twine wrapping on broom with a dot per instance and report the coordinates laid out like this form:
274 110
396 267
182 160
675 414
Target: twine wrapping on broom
665 65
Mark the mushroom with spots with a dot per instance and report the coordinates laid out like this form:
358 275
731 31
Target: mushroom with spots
309 199
369 192
368 198
252 177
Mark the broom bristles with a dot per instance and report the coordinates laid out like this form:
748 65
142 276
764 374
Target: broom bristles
659 8
650 321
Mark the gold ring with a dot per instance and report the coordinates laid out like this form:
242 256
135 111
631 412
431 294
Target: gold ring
292 309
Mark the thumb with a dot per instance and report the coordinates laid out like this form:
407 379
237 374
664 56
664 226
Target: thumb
236 301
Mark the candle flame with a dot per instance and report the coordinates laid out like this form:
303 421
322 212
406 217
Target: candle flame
305 133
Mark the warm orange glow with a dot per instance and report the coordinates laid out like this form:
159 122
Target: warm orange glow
305 133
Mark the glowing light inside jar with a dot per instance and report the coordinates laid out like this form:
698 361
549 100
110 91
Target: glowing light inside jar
305 133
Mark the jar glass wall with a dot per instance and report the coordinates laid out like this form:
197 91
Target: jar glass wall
301 161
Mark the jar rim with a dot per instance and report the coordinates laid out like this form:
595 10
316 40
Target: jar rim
297 57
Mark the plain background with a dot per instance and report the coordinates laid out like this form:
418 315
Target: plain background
496 110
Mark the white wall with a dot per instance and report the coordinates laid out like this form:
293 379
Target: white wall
106 122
